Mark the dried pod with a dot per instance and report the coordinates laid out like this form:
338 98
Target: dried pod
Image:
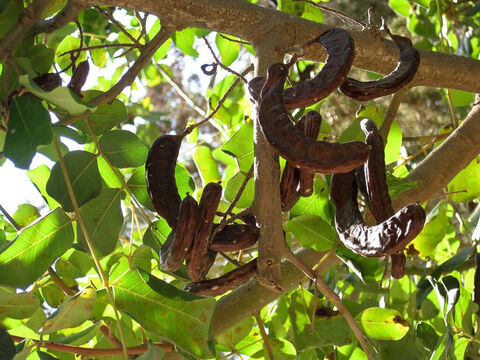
48 81
407 66
200 259
176 247
313 122
79 77
229 281
160 174
293 145
340 48
386 238
235 237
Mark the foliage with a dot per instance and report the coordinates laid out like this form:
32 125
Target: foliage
88 259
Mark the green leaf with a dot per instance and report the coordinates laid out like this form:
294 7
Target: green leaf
312 232
236 333
72 313
240 146
35 249
229 50
401 7
383 324
138 186
312 13
123 148
162 50
316 204
81 337
156 234
65 131
432 234
25 215
233 186
103 219
163 309
68 43
331 329
52 294
281 349
28 127
207 166
9 16
39 177
106 116
184 41
185 183
461 98
424 3
83 173
74 264
99 56
18 305
427 335
109 175
467 180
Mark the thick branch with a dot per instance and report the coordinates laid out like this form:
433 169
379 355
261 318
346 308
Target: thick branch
254 23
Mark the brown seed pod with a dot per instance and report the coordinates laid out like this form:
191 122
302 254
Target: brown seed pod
79 77
176 247
376 190
48 81
386 238
407 66
340 48
160 174
313 122
229 281
235 237
200 259
293 145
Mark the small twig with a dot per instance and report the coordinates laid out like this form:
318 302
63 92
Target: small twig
9 218
220 102
103 46
315 300
241 76
411 157
81 351
108 333
180 91
235 40
336 12
67 290
392 110
264 335
132 231
229 259
120 26
127 79
437 137
333 297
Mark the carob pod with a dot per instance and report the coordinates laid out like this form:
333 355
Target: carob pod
200 259
386 238
160 174
376 190
48 81
180 240
229 281
79 77
313 122
407 66
293 145
235 237
340 48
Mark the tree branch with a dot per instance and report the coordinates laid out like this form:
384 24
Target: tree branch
254 23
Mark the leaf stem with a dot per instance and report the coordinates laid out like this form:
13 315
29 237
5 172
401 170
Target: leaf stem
96 260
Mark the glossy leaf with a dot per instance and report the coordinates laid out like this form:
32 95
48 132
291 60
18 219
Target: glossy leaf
207 166
234 185
35 249
163 309
240 146
83 173
18 305
383 324
103 219
61 96
28 127
73 312
313 232
123 149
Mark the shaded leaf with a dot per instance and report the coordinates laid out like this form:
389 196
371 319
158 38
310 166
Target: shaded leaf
28 127
240 146
313 232
138 186
83 173
18 305
153 353
35 249
233 186
7 347
427 335
123 149
236 333
103 219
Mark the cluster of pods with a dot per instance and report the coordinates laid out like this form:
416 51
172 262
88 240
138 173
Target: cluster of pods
195 238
